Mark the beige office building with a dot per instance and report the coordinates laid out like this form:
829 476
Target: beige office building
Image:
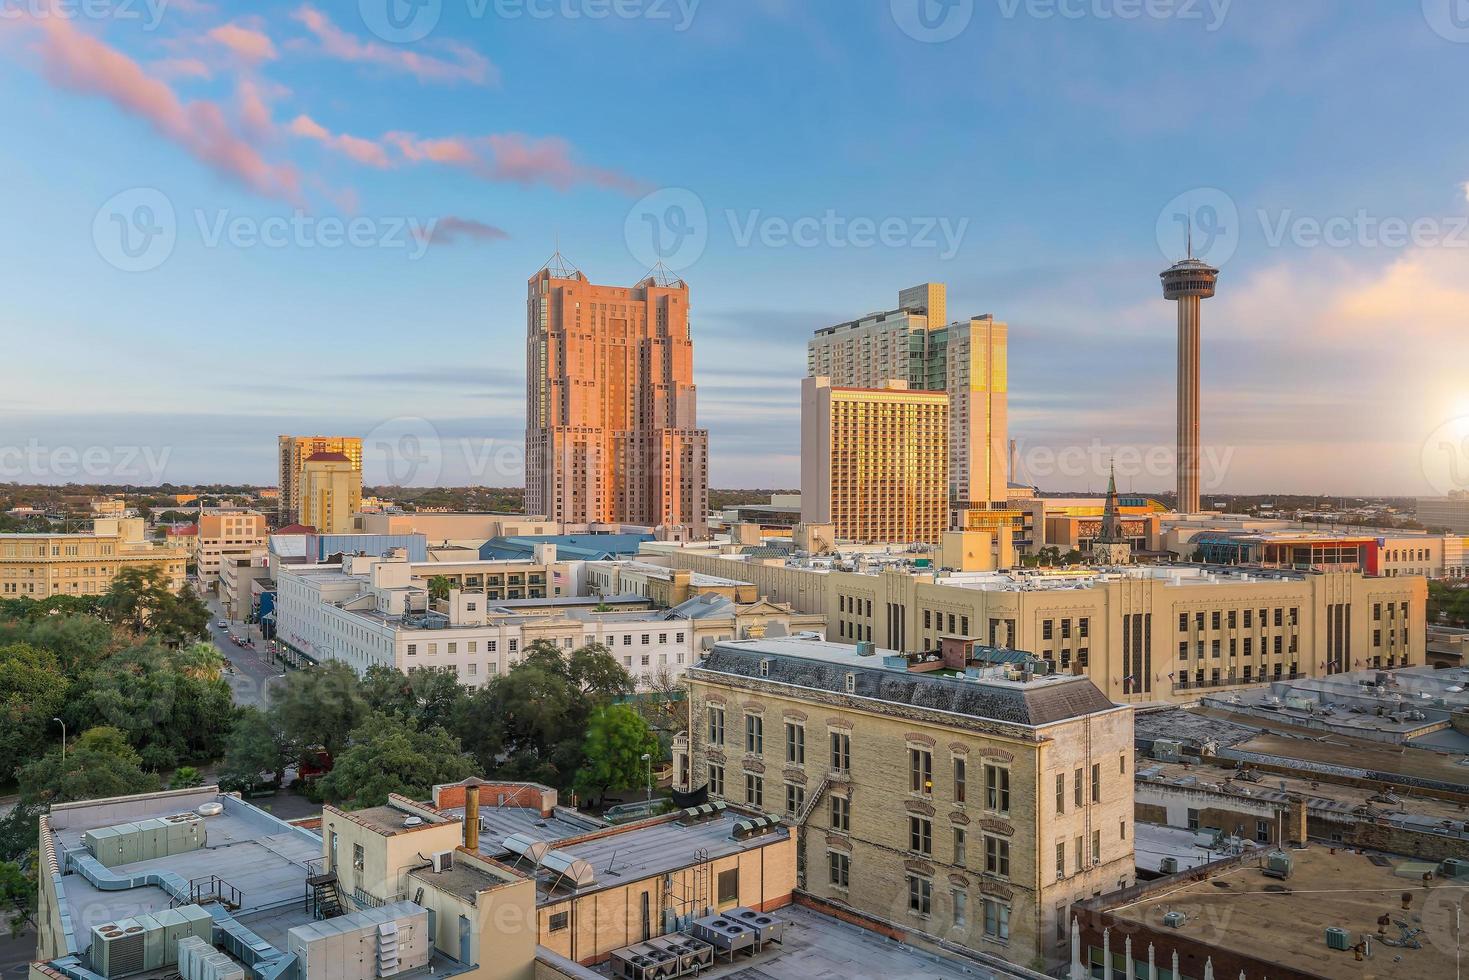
968 359
225 535
331 493
293 452
1142 633
874 461
971 810
39 566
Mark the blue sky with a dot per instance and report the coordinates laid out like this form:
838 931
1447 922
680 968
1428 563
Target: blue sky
1319 145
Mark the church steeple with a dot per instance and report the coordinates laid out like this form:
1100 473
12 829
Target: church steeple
1111 546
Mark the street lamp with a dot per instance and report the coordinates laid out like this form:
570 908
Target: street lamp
63 740
649 760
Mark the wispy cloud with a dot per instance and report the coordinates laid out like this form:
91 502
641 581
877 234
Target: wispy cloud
459 63
84 64
451 230
362 151
514 158
247 42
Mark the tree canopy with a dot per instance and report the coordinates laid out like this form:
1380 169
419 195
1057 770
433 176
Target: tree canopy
616 741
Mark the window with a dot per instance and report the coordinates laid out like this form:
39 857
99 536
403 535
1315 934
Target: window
795 799
841 752
716 726
1096 847
716 780
627 640
851 683
997 856
996 921
1122 764
754 734
1076 789
754 790
1096 782
1262 831
560 920
413 649
1193 819
839 868
1060 792
841 814
920 771
1060 859
795 744
1080 856
645 639
359 859
997 788
729 886
961 907
961 850
920 835
960 780
920 895
1047 629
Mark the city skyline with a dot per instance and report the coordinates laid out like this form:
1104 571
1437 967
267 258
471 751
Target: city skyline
1328 363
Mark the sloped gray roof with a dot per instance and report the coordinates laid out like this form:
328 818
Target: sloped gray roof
820 667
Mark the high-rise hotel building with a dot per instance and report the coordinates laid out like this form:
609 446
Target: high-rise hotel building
612 430
874 461
293 452
968 359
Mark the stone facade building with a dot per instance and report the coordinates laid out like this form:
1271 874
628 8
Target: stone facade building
970 809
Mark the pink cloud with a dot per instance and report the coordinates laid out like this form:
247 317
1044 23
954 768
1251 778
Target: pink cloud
363 151
462 64
246 42
83 64
451 230
182 68
514 158
254 107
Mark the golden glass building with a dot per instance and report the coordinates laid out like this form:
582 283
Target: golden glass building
874 461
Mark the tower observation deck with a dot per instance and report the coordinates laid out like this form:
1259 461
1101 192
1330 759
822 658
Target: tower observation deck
1188 283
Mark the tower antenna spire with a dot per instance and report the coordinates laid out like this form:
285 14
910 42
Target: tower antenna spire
1190 235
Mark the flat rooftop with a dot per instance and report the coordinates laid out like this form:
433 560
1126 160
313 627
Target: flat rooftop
1242 911
818 947
264 858
500 822
645 850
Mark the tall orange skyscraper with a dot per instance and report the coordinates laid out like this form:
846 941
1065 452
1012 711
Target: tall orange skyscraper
611 429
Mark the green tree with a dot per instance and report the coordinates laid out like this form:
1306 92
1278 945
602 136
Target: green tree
439 586
616 741
100 764
18 894
255 747
199 661
320 706
186 777
388 756
140 599
32 691
425 697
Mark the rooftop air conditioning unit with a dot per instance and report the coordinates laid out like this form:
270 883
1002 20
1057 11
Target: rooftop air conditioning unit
1174 920
1169 866
1338 938
443 861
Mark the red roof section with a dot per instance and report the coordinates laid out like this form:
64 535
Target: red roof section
327 458
296 529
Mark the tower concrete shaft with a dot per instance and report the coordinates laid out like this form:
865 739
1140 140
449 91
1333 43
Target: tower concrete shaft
1188 404
1189 283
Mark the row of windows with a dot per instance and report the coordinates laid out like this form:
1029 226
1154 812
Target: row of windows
1217 618
1276 645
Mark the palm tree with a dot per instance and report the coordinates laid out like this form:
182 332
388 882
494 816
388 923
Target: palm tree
201 661
439 586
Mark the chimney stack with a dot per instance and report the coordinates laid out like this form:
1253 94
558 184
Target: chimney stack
471 817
